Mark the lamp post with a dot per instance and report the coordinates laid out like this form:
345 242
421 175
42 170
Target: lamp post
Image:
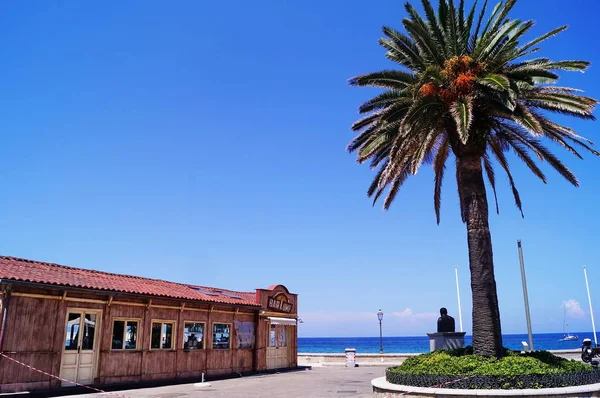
380 317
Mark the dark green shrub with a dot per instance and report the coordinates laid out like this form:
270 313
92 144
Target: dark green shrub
531 370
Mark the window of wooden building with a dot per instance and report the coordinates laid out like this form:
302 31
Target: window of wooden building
162 335
278 336
221 336
244 333
193 336
125 334
88 329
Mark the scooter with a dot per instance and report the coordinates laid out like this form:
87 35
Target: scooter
590 354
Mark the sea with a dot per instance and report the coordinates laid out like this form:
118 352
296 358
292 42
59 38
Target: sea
420 344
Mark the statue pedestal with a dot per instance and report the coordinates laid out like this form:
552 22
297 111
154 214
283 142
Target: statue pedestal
446 341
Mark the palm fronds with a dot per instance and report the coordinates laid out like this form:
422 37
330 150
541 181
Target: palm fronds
465 88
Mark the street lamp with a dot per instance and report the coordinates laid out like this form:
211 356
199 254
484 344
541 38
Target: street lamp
380 317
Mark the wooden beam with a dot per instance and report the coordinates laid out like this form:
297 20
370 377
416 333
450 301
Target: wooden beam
84 300
197 309
148 305
61 298
278 315
31 295
130 304
169 307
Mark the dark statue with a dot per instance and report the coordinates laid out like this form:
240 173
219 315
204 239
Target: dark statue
445 322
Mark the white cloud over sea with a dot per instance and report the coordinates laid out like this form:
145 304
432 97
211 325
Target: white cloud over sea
409 314
573 308
404 322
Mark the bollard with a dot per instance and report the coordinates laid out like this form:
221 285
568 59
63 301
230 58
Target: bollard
203 384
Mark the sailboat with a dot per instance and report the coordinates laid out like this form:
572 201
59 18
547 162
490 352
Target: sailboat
567 336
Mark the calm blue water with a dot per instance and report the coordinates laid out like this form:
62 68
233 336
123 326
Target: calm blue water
366 345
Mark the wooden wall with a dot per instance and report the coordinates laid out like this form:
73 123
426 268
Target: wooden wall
262 334
262 296
30 337
262 342
35 332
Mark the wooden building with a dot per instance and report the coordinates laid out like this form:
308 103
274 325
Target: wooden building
94 327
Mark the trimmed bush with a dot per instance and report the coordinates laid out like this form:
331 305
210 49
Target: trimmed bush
538 369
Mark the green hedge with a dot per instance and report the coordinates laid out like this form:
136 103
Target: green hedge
531 370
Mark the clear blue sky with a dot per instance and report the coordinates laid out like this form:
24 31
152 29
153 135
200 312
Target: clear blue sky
204 142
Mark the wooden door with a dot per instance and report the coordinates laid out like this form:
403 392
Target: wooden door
271 347
80 350
277 347
282 346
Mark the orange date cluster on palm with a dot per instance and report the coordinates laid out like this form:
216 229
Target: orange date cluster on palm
459 75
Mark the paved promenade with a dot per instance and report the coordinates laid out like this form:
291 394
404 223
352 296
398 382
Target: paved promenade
327 378
337 382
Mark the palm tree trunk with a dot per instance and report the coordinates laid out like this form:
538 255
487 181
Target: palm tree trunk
487 337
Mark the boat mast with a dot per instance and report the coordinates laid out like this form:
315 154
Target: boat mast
590 301
525 296
458 297
564 317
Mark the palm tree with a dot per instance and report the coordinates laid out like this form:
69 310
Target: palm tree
466 91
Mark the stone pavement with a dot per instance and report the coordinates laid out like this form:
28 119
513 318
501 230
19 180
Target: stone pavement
337 382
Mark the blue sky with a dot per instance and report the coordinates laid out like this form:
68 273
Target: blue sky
204 142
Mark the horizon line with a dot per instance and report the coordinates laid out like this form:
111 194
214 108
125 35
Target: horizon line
422 336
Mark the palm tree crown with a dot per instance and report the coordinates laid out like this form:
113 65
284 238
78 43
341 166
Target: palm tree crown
466 89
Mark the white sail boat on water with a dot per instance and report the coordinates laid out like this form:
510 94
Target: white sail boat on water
566 335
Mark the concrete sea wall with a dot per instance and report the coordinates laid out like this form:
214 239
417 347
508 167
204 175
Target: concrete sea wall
317 360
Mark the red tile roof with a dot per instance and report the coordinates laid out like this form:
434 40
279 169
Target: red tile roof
19 269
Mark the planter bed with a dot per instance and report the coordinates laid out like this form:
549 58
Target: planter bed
460 369
383 389
531 381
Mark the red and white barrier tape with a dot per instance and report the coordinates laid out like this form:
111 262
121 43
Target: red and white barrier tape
58 378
